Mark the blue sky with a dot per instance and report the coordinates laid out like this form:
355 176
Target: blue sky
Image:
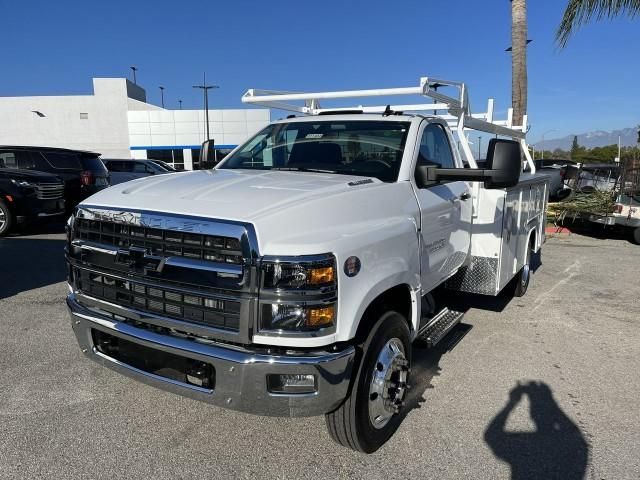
55 47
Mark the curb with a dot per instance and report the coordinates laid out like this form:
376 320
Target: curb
557 231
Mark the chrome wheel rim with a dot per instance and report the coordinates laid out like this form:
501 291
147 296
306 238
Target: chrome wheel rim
388 383
526 271
3 219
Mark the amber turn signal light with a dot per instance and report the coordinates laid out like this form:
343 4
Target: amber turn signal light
320 275
320 317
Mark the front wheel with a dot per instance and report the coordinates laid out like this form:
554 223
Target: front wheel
6 219
636 236
369 415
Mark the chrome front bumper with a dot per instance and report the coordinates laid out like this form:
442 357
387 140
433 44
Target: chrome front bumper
240 375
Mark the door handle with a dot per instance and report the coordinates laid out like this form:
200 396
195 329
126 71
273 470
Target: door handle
464 196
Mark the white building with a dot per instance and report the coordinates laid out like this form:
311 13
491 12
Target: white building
117 122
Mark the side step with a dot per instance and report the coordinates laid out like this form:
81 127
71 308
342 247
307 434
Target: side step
439 326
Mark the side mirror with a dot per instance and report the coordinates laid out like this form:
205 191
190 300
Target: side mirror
504 161
503 168
207 153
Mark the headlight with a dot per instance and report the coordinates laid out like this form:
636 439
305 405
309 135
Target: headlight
308 273
298 294
297 318
23 183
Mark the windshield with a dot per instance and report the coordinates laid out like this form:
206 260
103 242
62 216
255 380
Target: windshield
366 148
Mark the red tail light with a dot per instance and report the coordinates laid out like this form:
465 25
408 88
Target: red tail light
87 178
617 208
563 172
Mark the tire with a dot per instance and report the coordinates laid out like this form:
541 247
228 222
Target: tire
635 235
353 424
6 219
523 277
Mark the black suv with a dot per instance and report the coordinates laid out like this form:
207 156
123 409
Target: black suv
83 172
26 196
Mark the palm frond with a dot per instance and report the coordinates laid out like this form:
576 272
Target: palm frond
579 12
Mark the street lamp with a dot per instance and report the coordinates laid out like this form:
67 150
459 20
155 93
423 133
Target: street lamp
548 131
180 103
161 96
205 88
134 69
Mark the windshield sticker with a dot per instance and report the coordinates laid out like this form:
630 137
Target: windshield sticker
315 135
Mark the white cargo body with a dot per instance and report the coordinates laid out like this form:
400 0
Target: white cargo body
499 245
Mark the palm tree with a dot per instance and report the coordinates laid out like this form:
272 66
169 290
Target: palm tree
518 59
579 12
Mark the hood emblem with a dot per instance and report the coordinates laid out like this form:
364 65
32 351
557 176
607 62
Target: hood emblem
139 261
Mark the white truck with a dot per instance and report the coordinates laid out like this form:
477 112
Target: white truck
292 279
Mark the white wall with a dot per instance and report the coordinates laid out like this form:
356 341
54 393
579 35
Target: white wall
105 130
187 127
118 118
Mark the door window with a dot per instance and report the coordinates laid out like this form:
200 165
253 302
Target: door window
8 160
139 167
64 161
21 159
435 148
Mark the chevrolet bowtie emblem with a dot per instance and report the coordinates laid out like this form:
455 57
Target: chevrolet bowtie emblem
139 260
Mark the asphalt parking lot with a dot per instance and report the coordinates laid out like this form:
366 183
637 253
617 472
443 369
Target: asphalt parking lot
545 386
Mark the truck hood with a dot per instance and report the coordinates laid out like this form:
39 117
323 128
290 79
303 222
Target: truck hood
240 195
294 213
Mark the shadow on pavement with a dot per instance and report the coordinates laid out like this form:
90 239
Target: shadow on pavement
425 366
555 450
28 263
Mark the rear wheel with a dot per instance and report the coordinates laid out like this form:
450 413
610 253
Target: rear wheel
6 219
522 278
636 235
369 415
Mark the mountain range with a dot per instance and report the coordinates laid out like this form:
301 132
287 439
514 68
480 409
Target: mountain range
599 138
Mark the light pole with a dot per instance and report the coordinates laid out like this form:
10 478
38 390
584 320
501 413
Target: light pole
180 103
205 88
548 131
161 96
134 69
479 144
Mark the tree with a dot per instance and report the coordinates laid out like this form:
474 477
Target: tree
518 59
579 12
574 144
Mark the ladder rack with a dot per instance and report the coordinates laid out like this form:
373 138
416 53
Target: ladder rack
459 116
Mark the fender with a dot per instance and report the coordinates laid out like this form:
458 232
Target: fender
400 278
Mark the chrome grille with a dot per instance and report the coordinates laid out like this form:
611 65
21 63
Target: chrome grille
161 242
50 191
204 310
191 274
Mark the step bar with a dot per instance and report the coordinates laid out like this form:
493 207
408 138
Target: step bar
439 326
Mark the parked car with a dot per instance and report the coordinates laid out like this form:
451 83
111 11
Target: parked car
626 213
626 210
587 177
124 170
83 173
556 170
27 196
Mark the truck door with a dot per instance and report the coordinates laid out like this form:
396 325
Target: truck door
445 212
